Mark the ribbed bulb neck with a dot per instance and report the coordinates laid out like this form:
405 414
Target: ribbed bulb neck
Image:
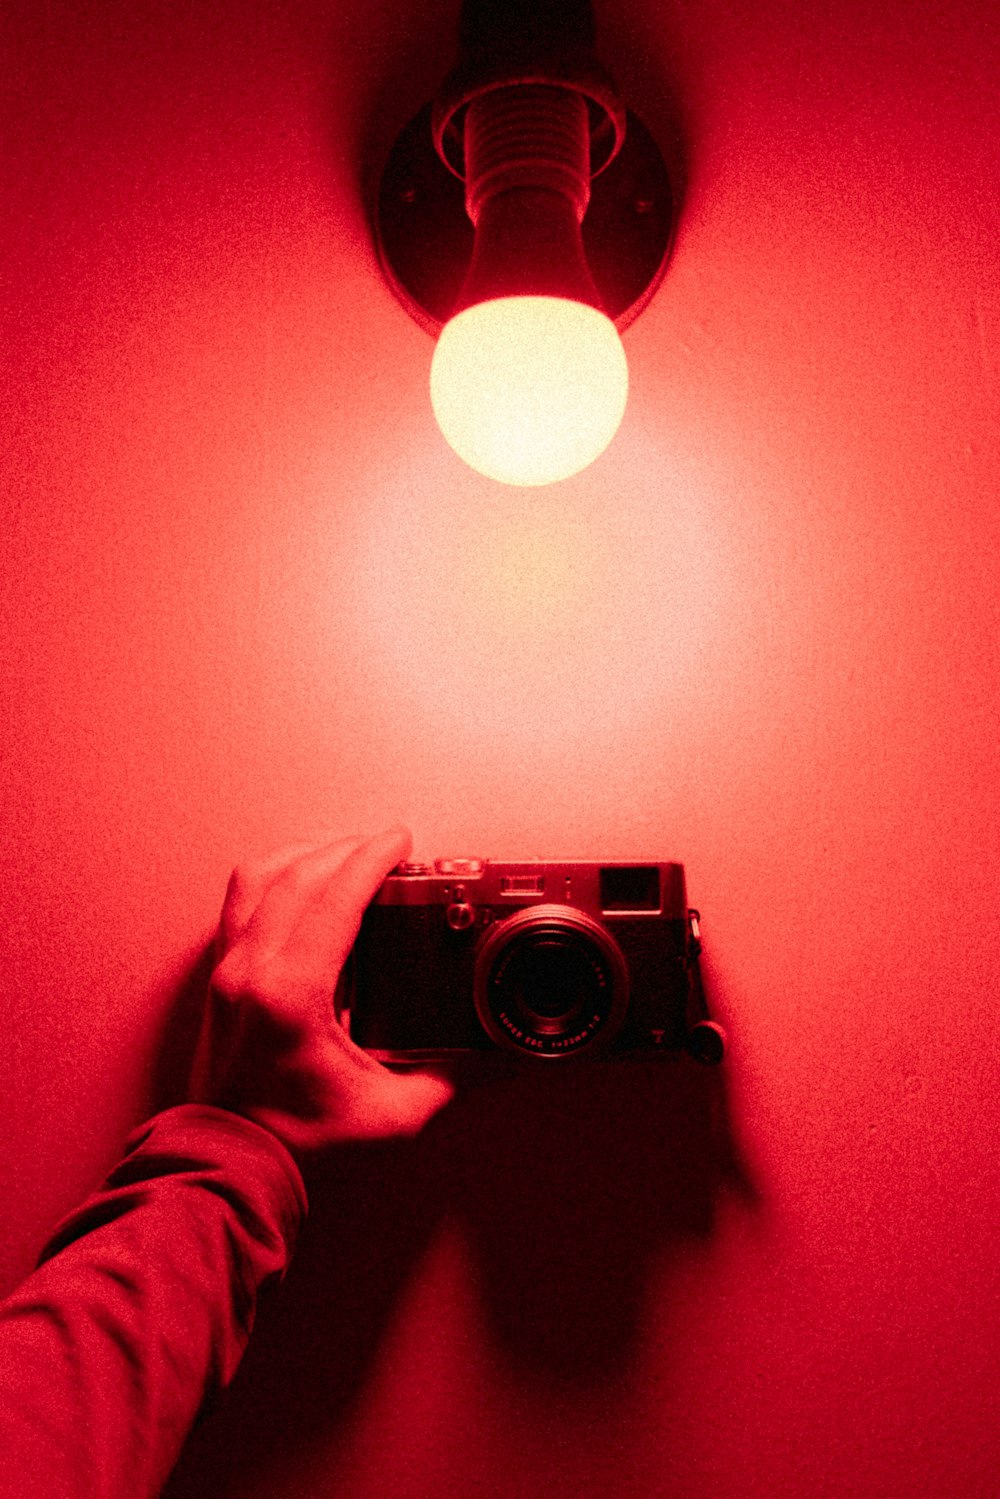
530 136
527 186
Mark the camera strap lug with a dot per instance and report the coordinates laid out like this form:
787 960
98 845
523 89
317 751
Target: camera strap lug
705 1040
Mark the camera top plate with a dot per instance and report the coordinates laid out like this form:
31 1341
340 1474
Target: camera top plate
607 887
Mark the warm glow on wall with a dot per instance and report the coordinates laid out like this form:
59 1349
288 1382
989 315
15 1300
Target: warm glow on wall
520 631
528 390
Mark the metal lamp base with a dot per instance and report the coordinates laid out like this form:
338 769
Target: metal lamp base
425 237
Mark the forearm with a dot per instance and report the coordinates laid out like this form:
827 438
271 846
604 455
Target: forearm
142 1306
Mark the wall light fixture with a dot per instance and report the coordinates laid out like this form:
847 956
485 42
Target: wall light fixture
525 217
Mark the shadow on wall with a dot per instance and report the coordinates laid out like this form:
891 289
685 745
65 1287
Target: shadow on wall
571 1186
568 1185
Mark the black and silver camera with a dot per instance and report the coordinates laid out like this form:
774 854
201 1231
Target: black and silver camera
545 959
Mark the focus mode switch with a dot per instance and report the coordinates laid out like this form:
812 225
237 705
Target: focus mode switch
459 915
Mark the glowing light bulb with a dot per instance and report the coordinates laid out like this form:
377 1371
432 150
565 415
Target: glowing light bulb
529 390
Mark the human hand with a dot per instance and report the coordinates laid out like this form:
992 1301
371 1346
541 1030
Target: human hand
271 1047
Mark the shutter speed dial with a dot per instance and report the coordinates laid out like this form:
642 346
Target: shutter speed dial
459 868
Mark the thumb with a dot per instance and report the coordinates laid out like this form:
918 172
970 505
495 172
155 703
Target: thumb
417 1097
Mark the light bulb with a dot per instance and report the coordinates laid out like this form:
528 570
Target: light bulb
529 389
528 380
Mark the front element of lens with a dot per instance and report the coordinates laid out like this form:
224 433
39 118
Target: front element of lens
550 981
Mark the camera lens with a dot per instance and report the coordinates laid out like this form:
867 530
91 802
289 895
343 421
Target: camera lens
550 981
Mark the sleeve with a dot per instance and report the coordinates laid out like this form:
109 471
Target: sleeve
142 1305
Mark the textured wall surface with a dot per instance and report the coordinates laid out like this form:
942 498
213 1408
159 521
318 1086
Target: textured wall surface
249 595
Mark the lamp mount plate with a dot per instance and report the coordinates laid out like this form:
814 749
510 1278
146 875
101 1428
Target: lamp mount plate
425 237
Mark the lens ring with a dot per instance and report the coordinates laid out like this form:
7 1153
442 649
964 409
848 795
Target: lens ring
567 939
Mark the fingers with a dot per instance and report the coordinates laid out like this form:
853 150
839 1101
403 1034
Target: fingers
332 901
412 1101
358 878
284 873
248 884
309 904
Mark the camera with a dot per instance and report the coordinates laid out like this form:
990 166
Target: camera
544 959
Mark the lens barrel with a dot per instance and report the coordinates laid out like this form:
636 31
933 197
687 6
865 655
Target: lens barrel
551 982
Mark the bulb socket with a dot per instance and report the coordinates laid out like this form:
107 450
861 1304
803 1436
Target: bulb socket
527 186
527 137
531 213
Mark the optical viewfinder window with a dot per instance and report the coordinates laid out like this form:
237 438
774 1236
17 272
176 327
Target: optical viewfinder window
631 887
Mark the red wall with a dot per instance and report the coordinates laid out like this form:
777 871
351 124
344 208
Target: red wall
248 595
